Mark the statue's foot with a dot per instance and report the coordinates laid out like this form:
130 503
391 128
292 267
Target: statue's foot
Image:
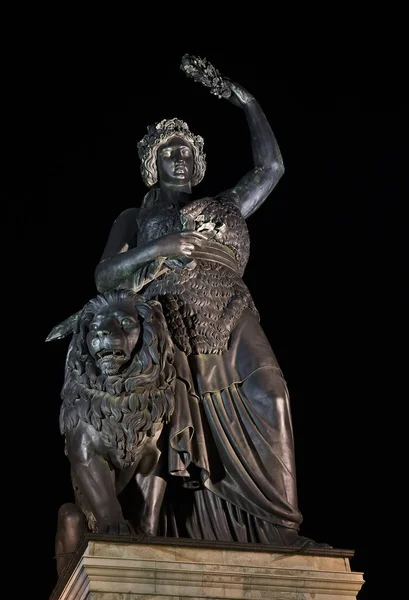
120 528
304 542
291 537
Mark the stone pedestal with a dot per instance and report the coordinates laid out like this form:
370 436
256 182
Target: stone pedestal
167 569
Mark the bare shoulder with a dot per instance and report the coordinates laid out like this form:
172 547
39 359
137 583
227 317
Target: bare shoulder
122 232
126 216
229 197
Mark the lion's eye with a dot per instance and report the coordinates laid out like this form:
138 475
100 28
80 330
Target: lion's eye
93 326
127 322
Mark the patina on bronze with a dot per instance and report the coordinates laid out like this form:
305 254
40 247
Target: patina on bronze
229 471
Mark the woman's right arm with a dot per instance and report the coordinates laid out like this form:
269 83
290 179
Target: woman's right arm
118 262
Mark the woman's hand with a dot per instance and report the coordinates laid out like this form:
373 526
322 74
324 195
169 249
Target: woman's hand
177 244
202 71
239 95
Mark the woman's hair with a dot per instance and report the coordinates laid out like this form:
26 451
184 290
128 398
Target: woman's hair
157 135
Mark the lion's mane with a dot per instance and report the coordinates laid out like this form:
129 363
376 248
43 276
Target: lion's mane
125 407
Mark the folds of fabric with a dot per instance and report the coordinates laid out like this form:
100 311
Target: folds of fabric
232 430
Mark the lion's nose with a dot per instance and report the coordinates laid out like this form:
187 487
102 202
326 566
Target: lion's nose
104 332
106 327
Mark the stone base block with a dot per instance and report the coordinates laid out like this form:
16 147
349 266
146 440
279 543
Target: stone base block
178 569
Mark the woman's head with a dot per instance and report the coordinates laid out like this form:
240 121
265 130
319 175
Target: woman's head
172 136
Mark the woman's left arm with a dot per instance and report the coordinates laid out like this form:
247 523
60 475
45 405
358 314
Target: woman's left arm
252 189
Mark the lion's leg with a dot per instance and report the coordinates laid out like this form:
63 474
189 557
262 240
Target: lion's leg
95 479
150 478
153 489
70 529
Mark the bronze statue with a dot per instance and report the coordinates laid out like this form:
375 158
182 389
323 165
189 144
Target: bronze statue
230 471
118 394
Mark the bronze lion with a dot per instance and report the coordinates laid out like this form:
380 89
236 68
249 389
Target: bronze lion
117 395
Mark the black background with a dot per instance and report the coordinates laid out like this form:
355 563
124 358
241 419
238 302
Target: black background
327 254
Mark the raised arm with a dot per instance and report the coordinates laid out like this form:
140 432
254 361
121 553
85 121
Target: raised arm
252 189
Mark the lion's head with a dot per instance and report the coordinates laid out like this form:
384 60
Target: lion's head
113 333
119 374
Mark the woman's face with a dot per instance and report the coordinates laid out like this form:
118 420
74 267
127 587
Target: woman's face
175 162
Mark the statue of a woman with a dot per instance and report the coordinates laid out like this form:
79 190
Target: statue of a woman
227 469
231 452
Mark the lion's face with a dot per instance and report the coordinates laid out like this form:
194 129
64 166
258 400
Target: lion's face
113 334
119 373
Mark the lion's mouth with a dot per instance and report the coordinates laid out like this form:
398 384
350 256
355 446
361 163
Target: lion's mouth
111 354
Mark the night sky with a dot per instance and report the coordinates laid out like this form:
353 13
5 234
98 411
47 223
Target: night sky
327 254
